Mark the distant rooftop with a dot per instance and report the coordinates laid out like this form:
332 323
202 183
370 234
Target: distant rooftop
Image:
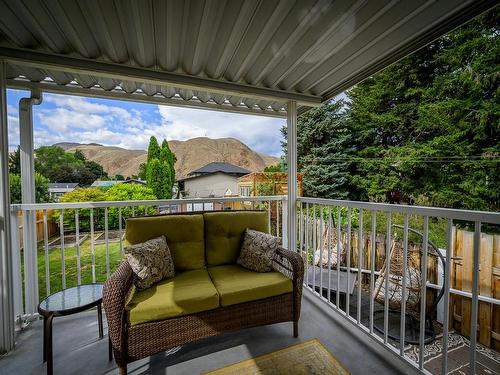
62 185
104 183
220 167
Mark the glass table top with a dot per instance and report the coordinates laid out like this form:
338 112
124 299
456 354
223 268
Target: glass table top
72 298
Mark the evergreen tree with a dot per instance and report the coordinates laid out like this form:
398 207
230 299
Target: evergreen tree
169 156
156 178
153 149
165 159
324 143
425 130
428 126
159 170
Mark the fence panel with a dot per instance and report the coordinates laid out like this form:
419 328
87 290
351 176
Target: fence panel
489 286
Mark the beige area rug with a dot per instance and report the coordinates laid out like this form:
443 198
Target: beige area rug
307 358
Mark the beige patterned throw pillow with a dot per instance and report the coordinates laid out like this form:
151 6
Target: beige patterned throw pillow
257 251
151 261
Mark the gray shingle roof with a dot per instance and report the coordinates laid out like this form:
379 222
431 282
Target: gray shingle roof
220 167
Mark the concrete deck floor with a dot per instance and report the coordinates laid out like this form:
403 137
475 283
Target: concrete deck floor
77 350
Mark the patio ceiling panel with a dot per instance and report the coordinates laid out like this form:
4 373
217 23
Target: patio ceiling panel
218 53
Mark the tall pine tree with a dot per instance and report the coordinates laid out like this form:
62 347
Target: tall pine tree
169 156
153 149
159 169
428 126
324 144
425 130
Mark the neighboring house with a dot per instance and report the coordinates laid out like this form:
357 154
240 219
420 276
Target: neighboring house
99 183
212 180
134 181
266 183
56 189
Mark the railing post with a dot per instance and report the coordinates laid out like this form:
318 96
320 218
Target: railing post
27 160
17 283
284 225
291 123
6 283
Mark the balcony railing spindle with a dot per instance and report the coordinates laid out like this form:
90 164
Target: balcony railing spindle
372 265
46 252
423 293
61 232
402 328
77 244
446 303
348 261
360 261
106 240
475 294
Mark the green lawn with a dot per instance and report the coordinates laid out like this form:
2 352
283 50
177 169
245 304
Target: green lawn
70 262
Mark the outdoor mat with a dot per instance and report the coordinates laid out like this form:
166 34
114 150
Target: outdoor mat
307 358
487 360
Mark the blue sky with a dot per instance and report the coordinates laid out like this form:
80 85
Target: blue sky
64 118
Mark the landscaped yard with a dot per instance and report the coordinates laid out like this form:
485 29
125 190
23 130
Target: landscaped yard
70 262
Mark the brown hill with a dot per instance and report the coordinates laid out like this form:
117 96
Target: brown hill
191 154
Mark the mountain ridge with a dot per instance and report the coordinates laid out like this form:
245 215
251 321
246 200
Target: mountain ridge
191 154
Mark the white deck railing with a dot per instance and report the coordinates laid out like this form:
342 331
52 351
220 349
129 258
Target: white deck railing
326 225
36 254
339 219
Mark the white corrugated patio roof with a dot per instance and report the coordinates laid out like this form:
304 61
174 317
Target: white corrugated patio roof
243 56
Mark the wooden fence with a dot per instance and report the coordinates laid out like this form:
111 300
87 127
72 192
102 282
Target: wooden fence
489 286
52 228
461 277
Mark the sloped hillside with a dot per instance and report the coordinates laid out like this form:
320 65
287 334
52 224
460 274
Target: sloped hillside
191 154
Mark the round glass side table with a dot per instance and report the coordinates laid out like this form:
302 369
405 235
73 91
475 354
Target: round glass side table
67 302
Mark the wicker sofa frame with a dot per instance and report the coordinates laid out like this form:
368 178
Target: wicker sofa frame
130 343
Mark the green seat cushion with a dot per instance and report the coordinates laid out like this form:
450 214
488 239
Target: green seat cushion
184 233
187 293
224 233
236 284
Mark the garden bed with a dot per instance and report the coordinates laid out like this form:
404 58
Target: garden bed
113 236
69 240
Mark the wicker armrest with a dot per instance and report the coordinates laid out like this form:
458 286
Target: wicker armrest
291 265
114 298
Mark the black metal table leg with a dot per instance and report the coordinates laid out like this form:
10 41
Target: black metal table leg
99 320
110 349
44 339
47 343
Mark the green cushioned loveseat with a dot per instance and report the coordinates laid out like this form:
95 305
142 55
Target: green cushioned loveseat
210 294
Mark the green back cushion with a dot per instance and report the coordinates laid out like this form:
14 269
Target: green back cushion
224 233
184 233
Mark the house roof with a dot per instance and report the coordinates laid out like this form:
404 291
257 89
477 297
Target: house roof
242 56
62 185
220 167
99 183
134 181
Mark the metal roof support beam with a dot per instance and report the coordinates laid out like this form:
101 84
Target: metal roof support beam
291 124
6 280
63 63
27 156
122 95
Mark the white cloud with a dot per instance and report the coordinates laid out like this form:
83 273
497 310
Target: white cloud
64 118
259 133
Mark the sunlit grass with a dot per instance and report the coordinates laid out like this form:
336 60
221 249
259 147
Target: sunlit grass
70 262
